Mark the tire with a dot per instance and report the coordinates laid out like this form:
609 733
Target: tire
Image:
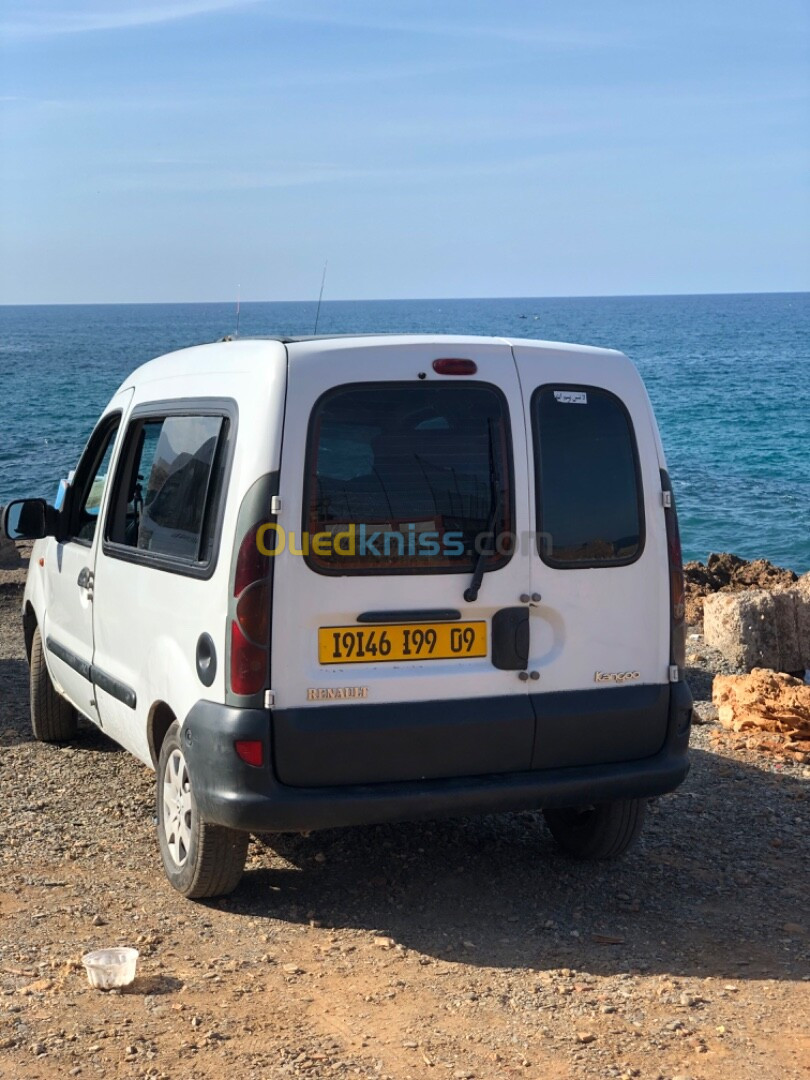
53 719
598 832
200 860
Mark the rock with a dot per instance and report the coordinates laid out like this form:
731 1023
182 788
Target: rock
771 709
729 573
760 629
704 712
795 929
10 557
585 1037
384 942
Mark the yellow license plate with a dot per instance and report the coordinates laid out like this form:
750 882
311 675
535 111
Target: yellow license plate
407 641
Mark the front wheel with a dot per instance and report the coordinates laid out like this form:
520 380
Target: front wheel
605 831
53 719
199 859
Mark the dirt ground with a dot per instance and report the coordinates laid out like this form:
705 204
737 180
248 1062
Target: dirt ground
454 949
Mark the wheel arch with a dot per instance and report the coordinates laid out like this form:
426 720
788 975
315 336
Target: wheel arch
160 719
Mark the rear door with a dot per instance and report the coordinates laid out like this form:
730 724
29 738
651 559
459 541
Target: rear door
391 474
599 643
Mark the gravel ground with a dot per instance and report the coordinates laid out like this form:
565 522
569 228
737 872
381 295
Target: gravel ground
459 949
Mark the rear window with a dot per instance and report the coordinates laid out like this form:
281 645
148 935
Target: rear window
589 505
408 478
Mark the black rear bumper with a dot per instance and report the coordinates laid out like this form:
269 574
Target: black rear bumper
240 796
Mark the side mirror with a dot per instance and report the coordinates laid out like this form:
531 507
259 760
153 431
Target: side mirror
28 519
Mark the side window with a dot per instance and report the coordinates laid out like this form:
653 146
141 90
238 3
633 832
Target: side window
408 478
91 480
168 489
589 506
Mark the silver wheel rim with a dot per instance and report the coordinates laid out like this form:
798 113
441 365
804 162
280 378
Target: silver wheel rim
177 808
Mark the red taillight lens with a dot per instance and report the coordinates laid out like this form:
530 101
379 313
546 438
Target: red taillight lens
251 564
250 751
248 664
253 612
454 366
677 585
250 631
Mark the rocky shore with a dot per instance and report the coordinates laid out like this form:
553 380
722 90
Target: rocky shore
458 949
729 574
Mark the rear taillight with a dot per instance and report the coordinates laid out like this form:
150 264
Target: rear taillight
251 564
250 631
677 587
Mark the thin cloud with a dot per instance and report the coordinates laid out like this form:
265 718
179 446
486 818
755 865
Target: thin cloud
542 36
31 19
209 178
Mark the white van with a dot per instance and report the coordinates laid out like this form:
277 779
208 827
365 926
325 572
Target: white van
331 581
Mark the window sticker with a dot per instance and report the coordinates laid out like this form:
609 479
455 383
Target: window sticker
571 397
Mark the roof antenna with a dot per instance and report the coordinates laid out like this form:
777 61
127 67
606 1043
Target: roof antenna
238 305
320 297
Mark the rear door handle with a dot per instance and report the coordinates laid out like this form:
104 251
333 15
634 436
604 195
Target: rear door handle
85 578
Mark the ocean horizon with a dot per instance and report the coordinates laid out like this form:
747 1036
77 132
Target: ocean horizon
727 374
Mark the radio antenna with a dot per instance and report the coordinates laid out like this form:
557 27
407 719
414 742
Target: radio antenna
320 297
238 305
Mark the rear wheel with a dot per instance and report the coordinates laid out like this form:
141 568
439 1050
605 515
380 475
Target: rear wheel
199 859
53 720
605 831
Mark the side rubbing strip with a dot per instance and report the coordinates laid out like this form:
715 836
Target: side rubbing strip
120 691
69 658
113 687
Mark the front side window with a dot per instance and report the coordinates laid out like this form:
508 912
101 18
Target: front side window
91 483
589 509
170 484
405 477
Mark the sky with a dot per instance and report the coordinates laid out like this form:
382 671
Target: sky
186 150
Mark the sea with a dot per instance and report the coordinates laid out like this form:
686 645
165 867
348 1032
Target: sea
728 375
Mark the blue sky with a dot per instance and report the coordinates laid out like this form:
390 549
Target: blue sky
167 150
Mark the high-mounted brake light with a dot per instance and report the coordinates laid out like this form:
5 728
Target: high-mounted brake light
455 366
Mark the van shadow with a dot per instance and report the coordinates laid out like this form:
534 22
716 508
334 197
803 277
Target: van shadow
15 714
708 892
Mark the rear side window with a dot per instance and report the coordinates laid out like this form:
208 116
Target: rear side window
407 478
171 479
589 501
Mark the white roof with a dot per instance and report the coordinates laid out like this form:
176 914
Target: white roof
246 354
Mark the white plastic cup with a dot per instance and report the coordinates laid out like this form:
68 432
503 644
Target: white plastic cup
108 968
